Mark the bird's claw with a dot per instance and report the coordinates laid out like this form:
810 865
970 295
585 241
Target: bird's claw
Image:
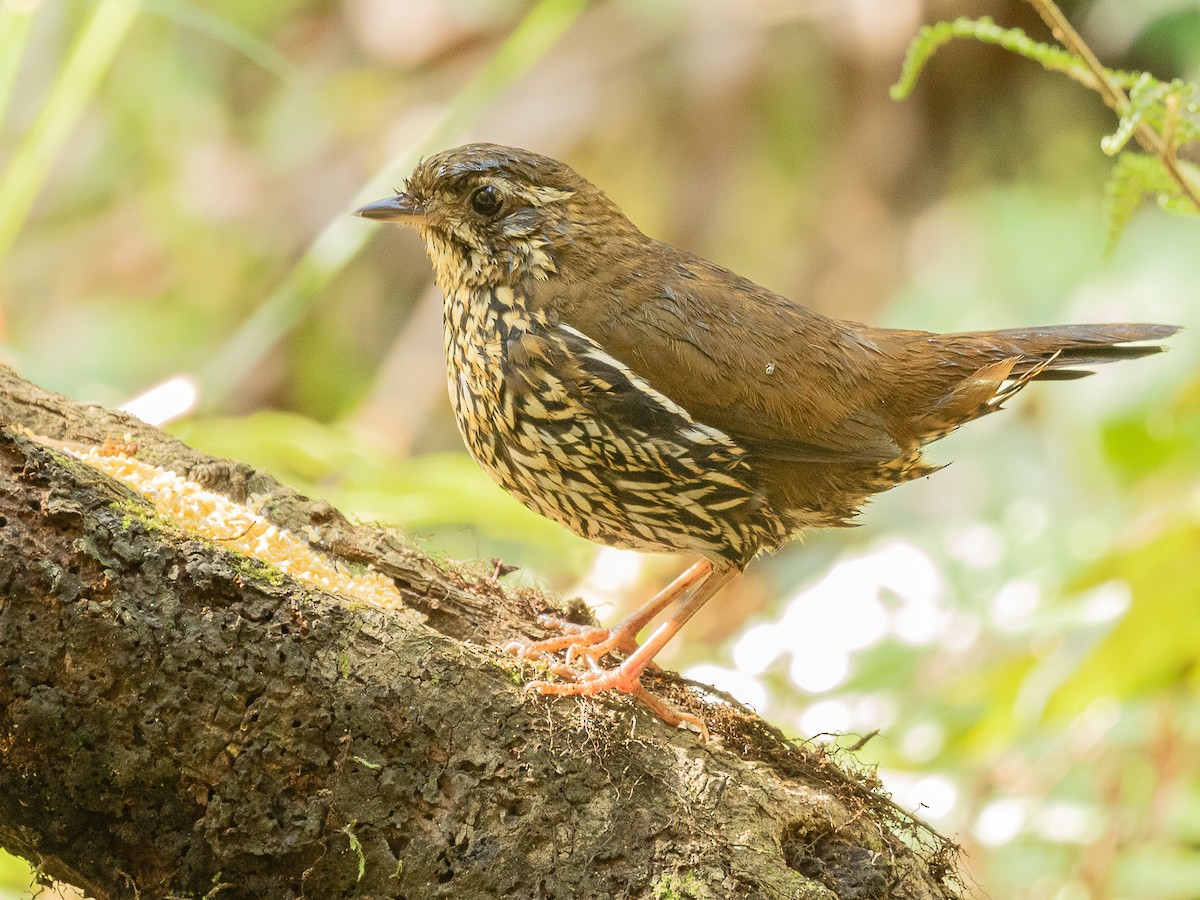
618 679
563 668
588 683
587 644
577 643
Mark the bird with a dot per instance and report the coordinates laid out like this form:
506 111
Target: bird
649 399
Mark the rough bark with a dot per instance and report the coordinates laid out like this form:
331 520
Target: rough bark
175 722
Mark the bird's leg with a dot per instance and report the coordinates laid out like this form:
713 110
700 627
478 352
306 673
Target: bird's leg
625 677
596 643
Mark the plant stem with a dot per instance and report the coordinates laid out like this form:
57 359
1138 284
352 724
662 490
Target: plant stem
14 30
1149 139
73 88
344 236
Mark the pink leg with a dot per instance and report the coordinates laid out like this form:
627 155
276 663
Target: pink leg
596 643
626 676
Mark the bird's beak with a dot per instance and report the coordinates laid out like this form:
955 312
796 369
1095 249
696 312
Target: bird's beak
404 209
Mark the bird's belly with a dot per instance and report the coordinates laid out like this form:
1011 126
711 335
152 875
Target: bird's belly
626 488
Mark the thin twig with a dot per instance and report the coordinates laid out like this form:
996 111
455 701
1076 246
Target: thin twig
1149 139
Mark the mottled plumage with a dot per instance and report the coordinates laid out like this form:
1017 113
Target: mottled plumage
644 397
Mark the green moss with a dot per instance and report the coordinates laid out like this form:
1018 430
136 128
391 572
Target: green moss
357 848
674 886
134 512
520 670
356 605
256 569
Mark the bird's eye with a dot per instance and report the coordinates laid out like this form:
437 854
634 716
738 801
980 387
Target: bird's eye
486 201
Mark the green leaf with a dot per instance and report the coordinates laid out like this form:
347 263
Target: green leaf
16 876
77 80
932 37
1156 645
1133 177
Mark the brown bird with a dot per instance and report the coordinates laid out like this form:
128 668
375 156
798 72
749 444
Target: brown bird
646 398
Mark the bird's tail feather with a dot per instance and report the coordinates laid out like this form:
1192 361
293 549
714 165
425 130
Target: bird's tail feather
1061 349
998 364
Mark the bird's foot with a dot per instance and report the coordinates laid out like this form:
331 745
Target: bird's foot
625 677
589 644
585 643
584 646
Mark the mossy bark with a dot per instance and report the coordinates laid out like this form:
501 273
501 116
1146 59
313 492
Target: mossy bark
174 722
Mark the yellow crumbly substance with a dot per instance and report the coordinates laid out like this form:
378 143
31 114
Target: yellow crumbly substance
236 527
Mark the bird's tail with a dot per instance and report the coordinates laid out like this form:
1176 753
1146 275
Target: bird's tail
989 367
1057 351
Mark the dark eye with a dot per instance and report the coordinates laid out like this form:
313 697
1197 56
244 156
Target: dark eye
486 201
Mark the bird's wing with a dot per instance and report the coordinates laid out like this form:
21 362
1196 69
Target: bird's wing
783 381
670 475
582 379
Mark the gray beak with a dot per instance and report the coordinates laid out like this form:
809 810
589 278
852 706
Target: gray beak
403 209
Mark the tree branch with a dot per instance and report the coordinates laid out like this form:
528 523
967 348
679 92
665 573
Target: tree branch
179 720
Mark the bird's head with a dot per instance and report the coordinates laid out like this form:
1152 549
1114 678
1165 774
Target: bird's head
493 214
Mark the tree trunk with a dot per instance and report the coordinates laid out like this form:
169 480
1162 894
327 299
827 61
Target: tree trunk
179 720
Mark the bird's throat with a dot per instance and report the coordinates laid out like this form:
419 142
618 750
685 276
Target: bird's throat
458 265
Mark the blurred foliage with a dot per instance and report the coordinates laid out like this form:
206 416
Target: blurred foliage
1168 108
443 500
183 173
931 37
1136 176
14 875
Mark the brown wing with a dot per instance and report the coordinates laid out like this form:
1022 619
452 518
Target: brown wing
785 382
790 384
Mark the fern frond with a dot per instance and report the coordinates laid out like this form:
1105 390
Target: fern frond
1133 177
932 37
985 30
1164 105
